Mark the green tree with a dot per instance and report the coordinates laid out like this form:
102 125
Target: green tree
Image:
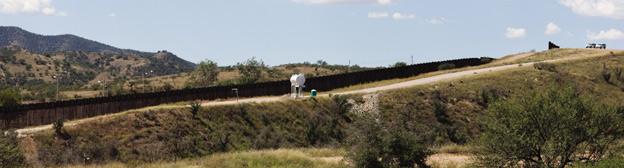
10 97
321 63
399 64
550 128
205 74
250 70
378 143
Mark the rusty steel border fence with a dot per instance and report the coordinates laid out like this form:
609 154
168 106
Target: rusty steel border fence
46 113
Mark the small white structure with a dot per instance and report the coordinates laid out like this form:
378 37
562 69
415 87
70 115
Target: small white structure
297 83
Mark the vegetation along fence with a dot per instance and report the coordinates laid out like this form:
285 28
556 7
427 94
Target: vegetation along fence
46 113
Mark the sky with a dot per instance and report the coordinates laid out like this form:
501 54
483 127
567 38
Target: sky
363 32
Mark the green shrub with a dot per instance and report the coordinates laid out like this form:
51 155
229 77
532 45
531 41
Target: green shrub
195 108
489 95
59 131
328 116
10 97
550 128
375 143
10 155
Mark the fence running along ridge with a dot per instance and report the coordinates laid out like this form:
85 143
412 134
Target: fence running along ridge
46 113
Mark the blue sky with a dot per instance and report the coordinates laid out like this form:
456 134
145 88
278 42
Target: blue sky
367 32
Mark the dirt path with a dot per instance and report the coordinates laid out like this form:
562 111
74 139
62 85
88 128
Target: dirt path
421 81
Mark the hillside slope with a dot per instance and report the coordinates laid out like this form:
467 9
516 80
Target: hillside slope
22 48
31 61
448 110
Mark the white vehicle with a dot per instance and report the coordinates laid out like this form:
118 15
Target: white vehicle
598 46
602 46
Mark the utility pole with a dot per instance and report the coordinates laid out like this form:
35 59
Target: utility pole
412 59
144 79
57 86
349 67
102 84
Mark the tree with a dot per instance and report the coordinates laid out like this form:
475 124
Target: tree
10 97
250 70
399 64
549 128
378 143
321 63
205 74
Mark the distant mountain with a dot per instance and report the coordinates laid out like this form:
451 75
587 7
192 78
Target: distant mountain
26 56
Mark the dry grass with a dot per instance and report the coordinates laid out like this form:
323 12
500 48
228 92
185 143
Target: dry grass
566 53
310 157
449 160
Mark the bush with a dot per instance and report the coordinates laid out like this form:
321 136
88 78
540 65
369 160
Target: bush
328 116
10 155
374 143
10 97
195 108
489 95
549 128
59 131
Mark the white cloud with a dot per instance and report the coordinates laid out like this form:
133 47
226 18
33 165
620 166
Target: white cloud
395 15
514 33
378 15
437 21
325 2
43 7
403 16
611 34
112 14
552 28
602 8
